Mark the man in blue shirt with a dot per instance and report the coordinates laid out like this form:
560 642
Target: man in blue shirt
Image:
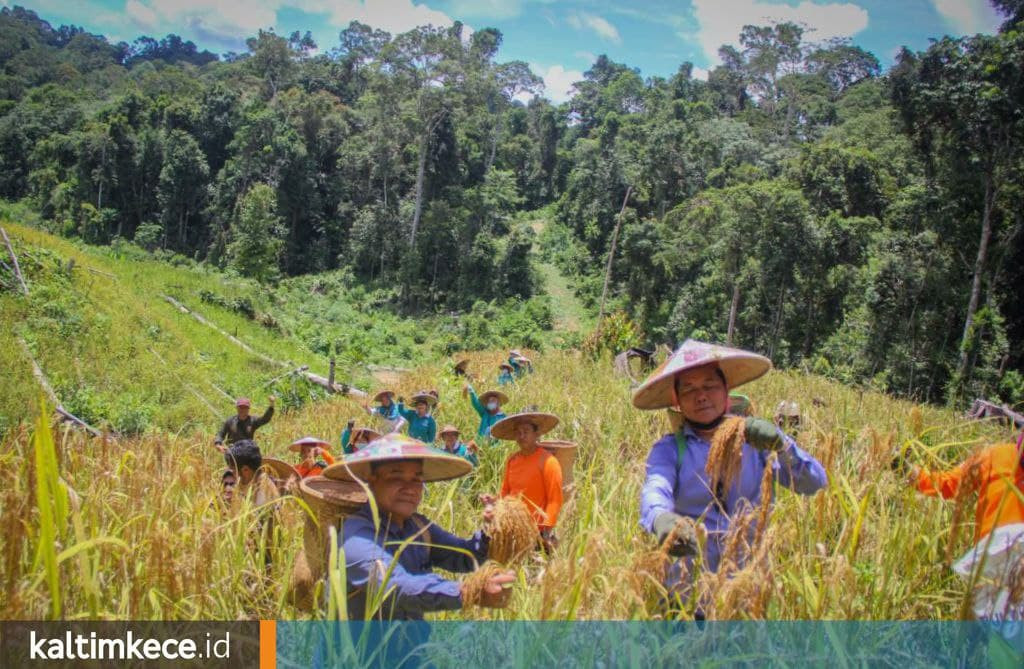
403 542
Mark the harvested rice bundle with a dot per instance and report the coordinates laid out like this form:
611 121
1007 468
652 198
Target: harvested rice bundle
726 452
473 585
512 531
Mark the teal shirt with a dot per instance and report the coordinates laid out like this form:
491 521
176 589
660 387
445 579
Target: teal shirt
423 428
463 452
487 419
504 378
346 441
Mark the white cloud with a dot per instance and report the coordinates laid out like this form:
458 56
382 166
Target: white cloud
968 17
558 81
699 73
586 56
486 9
597 24
229 22
720 21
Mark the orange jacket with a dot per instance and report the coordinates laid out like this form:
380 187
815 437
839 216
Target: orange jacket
305 470
1000 471
538 477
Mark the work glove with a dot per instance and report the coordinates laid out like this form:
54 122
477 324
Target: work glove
682 532
763 435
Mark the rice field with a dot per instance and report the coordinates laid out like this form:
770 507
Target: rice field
143 535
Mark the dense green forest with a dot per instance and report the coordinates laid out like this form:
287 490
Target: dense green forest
801 202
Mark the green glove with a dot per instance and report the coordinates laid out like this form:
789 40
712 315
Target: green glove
763 435
684 536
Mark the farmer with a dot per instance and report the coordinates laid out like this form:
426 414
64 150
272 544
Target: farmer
244 459
395 469
242 425
696 381
488 407
460 368
452 444
387 410
787 416
522 365
353 438
505 374
739 405
314 456
422 425
996 473
532 471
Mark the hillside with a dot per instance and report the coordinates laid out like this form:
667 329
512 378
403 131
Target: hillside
119 355
152 544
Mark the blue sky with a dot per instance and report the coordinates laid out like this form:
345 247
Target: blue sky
559 38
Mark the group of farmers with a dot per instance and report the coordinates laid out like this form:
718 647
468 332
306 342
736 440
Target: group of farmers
687 509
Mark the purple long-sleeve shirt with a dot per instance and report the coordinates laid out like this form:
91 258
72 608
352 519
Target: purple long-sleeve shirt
415 588
684 487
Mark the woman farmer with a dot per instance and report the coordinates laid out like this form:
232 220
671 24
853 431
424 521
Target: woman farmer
353 438
695 381
505 374
314 454
405 543
532 471
387 410
452 444
996 473
422 425
488 407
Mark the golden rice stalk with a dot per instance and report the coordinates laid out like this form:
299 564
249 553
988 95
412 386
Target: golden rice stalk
1015 583
512 531
916 421
767 479
473 585
726 452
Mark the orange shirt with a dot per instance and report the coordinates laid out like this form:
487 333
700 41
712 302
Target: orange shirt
305 470
998 504
538 476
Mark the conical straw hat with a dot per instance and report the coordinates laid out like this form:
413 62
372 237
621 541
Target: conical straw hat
438 465
738 366
506 427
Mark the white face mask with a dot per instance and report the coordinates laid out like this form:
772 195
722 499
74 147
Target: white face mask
492 405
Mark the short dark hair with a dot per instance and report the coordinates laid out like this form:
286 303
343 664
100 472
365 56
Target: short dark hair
244 453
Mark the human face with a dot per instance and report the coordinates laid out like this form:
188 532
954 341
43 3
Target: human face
243 412
385 401
246 474
449 439
702 394
526 435
421 409
398 487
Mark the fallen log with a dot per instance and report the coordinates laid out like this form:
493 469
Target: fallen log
14 259
297 370
44 383
343 389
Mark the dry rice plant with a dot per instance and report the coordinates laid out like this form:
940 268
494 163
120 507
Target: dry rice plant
512 531
767 480
726 452
966 496
473 585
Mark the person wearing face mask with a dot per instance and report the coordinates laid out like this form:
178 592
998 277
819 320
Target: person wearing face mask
452 444
695 381
397 554
505 376
488 407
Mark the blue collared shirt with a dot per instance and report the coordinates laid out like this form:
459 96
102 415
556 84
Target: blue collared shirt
415 589
684 487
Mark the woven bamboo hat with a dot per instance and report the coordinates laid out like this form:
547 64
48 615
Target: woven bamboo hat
379 397
438 465
506 427
738 367
364 435
496 394
425 397
296 446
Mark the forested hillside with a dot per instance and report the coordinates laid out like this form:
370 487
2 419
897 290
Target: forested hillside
801 202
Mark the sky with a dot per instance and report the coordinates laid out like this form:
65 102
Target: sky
558 38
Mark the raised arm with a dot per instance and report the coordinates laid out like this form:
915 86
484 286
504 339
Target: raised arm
799 470
475 401
265 418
